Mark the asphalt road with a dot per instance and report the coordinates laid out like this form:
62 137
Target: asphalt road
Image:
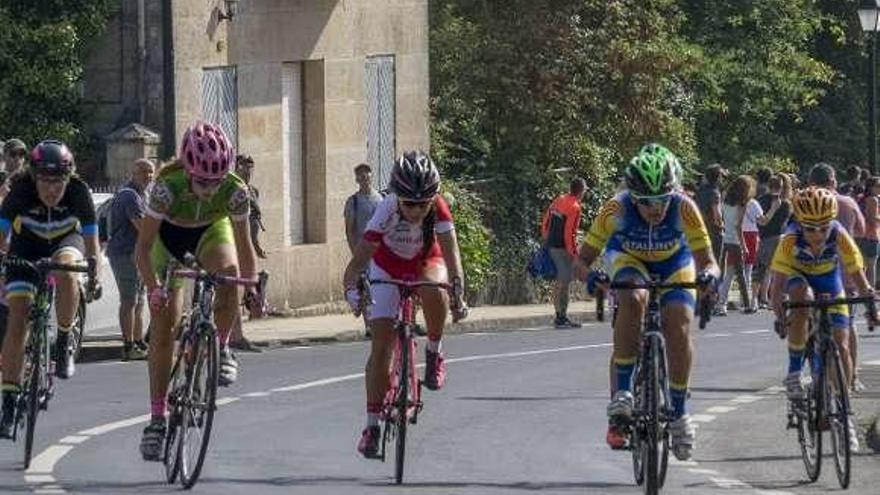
522 412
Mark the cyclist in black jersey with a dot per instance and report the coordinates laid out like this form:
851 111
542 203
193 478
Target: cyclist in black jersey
49 212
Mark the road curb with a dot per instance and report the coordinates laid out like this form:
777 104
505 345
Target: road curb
109 349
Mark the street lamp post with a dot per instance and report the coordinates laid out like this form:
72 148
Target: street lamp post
869 17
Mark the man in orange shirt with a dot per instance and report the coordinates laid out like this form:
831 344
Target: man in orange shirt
559 230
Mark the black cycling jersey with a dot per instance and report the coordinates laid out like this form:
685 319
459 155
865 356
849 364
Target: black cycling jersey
35 225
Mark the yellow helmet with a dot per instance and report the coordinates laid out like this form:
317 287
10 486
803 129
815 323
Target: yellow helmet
815 206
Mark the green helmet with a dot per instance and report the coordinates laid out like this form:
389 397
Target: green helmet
654 171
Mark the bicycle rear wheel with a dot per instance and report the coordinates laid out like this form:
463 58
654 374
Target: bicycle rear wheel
402 403
807 414
665 409
637 430
31 404
198 406
837 411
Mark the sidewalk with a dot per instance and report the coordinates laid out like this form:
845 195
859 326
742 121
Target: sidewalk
279 332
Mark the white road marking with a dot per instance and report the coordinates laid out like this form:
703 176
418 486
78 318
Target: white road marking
872 363
721 409
710 472
39 478
773 492
675 462
526 353
107 428
45 462
717 335
745 399
729 483
750 332
702 418
257 394
775 389
74 439
227 400
318 383
50 489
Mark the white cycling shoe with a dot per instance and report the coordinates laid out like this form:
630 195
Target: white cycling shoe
621 406
683 436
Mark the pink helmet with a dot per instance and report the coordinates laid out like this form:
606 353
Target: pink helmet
205 151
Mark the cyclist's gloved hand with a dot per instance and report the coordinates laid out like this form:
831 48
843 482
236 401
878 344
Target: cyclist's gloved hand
95 290
707 280
158 298
780 328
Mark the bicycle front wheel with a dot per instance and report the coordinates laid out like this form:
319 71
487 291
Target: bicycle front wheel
807 414
651 442
199 404
31 405
837 411
402 403
79 329
177 387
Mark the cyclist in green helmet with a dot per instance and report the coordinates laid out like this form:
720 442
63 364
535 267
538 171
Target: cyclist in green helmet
652 229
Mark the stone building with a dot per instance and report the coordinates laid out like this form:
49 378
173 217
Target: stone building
309 88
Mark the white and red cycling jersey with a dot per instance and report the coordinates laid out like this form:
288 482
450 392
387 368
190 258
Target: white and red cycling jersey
400 251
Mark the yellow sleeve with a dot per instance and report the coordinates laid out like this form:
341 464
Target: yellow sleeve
693 225
604 225
784 257
850 255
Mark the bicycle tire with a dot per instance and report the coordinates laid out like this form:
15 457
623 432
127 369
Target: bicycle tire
665 409
837 412
79 330
652 419
637 433
600 305
402 405
808 414
207 356
32 403
170 448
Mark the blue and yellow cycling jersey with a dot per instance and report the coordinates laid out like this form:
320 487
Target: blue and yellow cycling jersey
793 255
619 227
820 270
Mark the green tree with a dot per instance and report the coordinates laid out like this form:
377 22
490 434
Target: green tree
42 48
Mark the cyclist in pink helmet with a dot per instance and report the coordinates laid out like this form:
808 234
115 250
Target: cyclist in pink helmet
196 206
205 151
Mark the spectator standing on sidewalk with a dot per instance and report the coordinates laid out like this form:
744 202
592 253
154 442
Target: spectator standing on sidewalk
244 169
360 206
708 199
126 212
870 243
14 154
736 197
559 231
779 193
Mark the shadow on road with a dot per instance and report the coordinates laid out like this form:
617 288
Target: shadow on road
723 390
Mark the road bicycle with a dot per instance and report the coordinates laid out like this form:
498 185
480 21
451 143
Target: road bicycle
826 404
192 388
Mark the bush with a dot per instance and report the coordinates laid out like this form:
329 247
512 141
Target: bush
473 237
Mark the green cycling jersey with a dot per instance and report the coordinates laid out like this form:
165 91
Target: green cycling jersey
171 200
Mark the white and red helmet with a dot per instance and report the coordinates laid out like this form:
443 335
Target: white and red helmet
206 152
415 177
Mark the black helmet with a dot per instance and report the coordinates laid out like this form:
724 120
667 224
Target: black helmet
52 157
415 177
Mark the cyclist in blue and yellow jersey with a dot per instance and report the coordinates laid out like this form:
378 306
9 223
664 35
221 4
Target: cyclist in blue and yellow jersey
811 259
652 229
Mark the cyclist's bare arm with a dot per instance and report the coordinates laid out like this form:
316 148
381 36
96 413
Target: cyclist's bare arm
363 253
777 293
451 255
247 257
93 247
147 235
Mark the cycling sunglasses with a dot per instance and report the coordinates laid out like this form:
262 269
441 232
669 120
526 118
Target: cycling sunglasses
649 201
414 204
816 228
207 183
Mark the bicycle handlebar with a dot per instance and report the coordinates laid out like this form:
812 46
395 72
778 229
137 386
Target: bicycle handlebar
44 265
869 301
411 284
628 285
